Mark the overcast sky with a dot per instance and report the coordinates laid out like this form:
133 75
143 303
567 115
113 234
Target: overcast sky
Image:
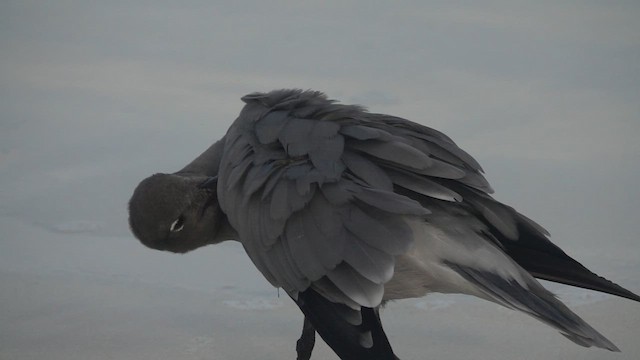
95 96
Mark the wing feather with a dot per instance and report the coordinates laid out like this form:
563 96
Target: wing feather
367 171
373 264
355 286
378 230
422 185
310 186
395 152
325 231
390 201
269 128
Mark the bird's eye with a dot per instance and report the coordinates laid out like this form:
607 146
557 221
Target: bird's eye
177 225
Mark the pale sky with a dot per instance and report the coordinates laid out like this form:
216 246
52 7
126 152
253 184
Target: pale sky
96 96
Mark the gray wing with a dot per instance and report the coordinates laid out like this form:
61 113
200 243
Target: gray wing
310 186
323 195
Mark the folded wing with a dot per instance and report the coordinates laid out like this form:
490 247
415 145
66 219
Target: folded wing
324 195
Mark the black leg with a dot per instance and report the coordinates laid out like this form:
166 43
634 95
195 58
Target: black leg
335 323
304 345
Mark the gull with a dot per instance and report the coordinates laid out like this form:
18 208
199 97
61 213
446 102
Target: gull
346 210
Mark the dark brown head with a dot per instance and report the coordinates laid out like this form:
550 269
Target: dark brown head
174 212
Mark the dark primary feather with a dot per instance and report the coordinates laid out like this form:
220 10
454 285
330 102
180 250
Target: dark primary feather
546 261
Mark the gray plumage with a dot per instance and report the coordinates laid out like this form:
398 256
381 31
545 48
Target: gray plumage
358 208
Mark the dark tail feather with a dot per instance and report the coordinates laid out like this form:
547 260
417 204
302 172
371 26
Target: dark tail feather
358 337
566 270
544 260
535 252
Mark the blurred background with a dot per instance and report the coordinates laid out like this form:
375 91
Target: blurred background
96 96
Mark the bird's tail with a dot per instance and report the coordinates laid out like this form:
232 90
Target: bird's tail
538 302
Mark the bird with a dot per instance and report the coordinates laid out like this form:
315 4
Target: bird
346 210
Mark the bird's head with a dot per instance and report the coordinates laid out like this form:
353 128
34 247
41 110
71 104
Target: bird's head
176 212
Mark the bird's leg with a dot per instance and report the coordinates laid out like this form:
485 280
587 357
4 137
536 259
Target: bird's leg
304 345
377 312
